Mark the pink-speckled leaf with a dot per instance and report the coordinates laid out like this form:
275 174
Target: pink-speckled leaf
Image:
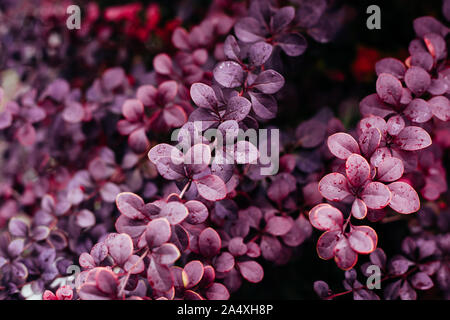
376 195
327 243
326 217
413 138
211 187
369 141
130 205
344 255
342 145
395 124
361 240
389 88
419 111
334 187
359 209
440 107
357 169
405 199
390 169
391 66
417 80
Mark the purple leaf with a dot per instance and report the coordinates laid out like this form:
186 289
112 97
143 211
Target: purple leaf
417 80
405 199
211 187
357 169
376 195
231 48
327 243
440 107
229 74
326 217
113 78
344 255
389 88
259 53
342 145
157 232
293 44
237 109
198 212
134 265
120 247
395 124
269 82
359 209
26 134
398 265
248 30
217 291
251 271
361 240
278 226
334 187
421 281
372 105
73 112
203 96
5 119
413 138
133 109
130 205
159 277
166 254
162 63
224 262
369 141
391 66
209 242
86 261
419 111
174 212
194 271
282 18
264 105
17 227
85 218
168 161
390 169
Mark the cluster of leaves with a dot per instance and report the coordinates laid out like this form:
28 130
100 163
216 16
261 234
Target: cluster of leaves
391 154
